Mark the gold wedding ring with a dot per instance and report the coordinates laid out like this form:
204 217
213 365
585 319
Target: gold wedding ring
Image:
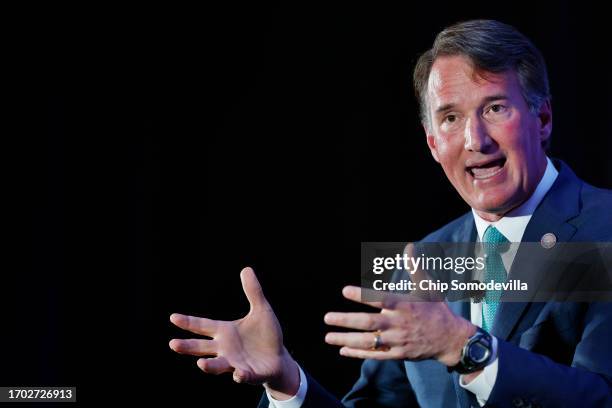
377 344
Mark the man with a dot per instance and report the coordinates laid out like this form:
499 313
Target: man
485 108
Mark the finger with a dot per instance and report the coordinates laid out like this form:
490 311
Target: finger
194 347
366 296
355 293
391 354
198 325
252 288
361 321
217 365
355 340
417 274
243 376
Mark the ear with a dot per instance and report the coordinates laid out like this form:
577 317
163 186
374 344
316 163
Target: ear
431 142
545 121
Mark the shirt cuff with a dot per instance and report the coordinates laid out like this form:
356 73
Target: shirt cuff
297 400
482 385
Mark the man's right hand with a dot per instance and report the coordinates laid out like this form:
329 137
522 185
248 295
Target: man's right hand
251 347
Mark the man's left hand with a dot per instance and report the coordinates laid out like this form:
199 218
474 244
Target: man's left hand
409 328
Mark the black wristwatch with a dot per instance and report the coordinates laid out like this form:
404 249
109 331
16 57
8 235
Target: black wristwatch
476 354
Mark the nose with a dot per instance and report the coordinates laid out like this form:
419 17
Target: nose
476 136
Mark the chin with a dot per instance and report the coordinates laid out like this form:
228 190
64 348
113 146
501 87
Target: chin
494 204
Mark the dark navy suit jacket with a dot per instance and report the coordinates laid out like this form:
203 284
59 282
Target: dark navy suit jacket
551 354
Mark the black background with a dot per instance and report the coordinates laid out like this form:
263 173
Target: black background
158 151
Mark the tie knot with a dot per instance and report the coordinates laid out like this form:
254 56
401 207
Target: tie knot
493 236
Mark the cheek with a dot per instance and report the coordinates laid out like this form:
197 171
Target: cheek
449 152
510 135
510 128
450 149
509 131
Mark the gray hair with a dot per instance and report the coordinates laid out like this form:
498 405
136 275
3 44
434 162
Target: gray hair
493 47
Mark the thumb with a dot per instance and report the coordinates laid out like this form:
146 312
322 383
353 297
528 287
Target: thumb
418 275
252 288
241 375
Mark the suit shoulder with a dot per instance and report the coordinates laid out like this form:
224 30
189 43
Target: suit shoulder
457 230
596 199
594 218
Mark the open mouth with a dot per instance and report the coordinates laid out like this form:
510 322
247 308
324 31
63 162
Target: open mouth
487 169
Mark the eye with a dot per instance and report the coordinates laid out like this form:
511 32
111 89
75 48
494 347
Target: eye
497 113
450 118
451 121
497 108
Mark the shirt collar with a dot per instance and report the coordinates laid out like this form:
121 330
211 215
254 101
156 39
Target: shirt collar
513 224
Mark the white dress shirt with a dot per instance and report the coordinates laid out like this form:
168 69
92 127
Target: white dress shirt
512 226
297 400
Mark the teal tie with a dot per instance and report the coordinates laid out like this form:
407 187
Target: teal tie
494 271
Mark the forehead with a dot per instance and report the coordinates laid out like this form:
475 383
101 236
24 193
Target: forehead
453 80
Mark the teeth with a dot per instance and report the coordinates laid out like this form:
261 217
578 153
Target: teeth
485 172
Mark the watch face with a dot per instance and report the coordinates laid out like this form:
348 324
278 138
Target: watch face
478 353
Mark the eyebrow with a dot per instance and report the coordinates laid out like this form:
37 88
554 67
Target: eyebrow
449 106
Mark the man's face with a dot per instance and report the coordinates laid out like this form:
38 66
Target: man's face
485 137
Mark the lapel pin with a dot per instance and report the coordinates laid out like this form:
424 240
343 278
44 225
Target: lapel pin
548 240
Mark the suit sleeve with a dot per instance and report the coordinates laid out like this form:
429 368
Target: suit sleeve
381 384
316 396
525 377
